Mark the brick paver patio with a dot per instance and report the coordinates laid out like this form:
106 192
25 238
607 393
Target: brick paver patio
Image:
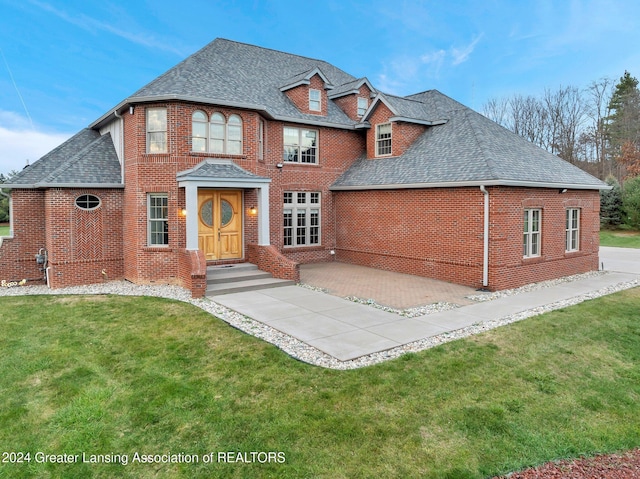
396 290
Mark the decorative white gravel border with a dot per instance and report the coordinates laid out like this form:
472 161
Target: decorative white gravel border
307 353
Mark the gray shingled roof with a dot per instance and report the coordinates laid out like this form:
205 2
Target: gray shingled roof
236 74
219 169
467 149
85 159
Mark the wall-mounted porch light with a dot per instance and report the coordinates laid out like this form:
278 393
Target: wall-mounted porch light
182 212
253 211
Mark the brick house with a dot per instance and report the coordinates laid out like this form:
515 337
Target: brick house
241 153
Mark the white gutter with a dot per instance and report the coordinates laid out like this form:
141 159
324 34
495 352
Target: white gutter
485 251
457 184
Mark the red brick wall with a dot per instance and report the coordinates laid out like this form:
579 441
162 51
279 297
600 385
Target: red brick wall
84 246
438 233
299 95
144 173
509 269
17 260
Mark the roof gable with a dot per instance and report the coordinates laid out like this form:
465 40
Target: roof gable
305 79
86 159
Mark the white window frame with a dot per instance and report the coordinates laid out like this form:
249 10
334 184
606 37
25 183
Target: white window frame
227 138
293 152
156 130
532 233
315 100
384 143
163 220
203 139
302 214
572 230
363 104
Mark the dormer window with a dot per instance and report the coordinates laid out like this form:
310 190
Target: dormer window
363 104
383 139
314 100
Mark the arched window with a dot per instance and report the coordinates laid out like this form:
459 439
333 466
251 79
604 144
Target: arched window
234 135
217 131
217 134
199 131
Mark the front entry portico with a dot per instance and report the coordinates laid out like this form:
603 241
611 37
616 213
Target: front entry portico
221 182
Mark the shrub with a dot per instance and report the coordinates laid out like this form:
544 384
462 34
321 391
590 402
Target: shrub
631 202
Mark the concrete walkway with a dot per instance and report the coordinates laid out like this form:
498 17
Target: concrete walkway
348 330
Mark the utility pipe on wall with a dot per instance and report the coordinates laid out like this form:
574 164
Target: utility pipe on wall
485 255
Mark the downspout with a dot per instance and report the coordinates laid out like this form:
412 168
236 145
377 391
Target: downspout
120 143
485 255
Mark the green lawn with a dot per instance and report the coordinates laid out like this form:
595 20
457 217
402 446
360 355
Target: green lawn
620 238
106 375
4 230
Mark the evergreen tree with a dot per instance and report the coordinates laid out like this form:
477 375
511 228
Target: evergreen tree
631 202
623 124
611 204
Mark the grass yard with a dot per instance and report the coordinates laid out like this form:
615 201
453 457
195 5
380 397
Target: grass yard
4 230
111 376
620 238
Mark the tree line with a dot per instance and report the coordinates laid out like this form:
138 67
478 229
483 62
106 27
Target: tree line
596 128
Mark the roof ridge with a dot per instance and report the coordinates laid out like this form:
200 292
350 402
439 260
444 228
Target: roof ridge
488 162
264 48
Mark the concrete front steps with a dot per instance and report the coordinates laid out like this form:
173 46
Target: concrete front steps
235 278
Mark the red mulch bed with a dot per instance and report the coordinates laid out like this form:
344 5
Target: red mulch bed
606 466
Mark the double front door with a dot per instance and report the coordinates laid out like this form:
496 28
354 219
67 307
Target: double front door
220 223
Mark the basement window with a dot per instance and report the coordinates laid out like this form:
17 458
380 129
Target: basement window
88 202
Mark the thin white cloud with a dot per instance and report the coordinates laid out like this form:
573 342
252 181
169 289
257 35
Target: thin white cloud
461 55
20 142
91 24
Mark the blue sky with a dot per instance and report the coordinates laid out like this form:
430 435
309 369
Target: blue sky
65 63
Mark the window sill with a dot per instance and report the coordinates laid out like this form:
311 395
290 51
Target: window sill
533 259
291 249
162 248
206 154
298 163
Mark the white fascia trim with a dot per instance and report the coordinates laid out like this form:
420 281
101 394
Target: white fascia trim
208 101
379 98
208 182
355 90
417 121
295 84
458 184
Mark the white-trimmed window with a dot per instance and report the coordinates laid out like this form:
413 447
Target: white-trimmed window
199 129
314 100
301 225
300 145
363 104
531 237
88 202
573 229
217 134
158 219
156 130
383 139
